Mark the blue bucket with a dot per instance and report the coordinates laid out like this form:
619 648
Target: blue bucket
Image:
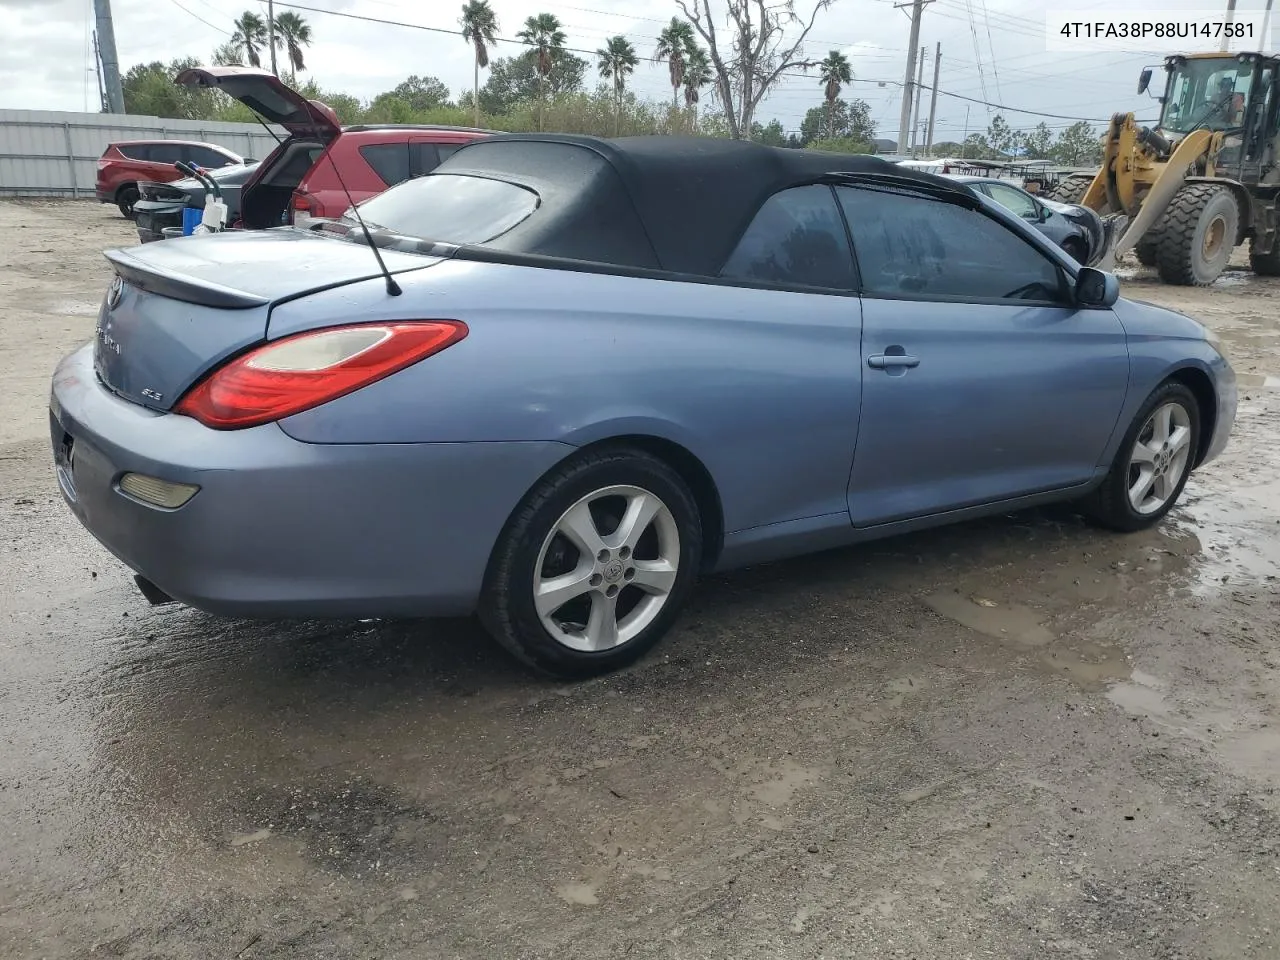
191 218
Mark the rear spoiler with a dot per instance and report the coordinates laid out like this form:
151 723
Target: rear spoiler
177 287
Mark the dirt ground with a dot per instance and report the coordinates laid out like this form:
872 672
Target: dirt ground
1018 738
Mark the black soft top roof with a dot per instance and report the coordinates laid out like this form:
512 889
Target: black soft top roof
675 204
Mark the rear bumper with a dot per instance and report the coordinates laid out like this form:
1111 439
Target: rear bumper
281 528
104 195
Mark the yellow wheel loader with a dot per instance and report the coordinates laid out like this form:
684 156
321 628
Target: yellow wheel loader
1184 195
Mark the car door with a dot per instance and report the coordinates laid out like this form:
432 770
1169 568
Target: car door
982 382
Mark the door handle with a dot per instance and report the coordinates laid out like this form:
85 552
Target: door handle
890 361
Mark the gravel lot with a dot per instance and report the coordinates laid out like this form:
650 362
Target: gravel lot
1018 738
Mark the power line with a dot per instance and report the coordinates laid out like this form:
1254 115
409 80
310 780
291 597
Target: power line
198 17
457 33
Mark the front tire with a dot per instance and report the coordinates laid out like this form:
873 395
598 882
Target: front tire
594 565
1153 463
1200 230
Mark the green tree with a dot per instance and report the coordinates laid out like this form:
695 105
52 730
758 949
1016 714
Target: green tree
480 29
771 135
1001 136
616 61
250 37
1039 142
513 80
977 147
843 145
543 33
835 73
697 74
1077 146
838 121
227 55
293 33
422 93
675 43
149 90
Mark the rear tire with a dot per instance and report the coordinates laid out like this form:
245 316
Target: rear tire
575 590
1070 189
1199 231
126 197
1159 450
1147 251
1265 264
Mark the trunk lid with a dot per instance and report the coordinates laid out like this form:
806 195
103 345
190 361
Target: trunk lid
262 92
177 309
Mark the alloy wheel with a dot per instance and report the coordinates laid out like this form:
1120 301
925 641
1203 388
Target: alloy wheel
1159 458
607 568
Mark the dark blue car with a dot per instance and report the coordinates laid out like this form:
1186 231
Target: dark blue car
1076 229
160 205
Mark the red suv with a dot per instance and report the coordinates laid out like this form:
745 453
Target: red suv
124 165
298 179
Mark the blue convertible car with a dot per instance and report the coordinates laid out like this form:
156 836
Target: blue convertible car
559 377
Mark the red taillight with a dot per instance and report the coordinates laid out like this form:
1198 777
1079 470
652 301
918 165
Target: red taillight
296 373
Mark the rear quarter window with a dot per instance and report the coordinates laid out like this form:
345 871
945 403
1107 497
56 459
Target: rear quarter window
135 151
451 208
390 161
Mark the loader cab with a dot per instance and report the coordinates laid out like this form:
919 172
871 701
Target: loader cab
1233 94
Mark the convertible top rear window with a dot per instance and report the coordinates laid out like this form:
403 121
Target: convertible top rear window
448 208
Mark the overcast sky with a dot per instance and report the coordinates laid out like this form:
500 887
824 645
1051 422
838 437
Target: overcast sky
993 50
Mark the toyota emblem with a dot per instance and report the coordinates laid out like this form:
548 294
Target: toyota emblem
114 293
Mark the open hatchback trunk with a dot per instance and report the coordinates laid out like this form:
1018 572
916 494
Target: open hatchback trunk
312 127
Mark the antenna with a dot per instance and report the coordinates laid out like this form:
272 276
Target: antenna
393 288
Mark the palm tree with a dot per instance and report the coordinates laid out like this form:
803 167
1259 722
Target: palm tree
293 33
835 73
480 29
617 61
674 43
697 74
250 36
543 32
228 55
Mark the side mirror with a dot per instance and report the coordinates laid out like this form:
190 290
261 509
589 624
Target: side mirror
1144 80
1096 289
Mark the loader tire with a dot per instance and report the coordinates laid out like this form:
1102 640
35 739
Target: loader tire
1069 189
1265 264
1199 232
1146 252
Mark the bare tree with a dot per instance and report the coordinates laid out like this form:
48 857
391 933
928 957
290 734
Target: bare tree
752 51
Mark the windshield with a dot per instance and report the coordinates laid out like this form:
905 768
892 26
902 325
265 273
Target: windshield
449 208
1208 95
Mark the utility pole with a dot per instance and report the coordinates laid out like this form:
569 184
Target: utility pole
271 33
109 58
97 72
904 118
1266 26
1231 15
915 117
933 100
964 144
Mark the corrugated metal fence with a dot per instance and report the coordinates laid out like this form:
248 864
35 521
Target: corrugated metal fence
47 153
